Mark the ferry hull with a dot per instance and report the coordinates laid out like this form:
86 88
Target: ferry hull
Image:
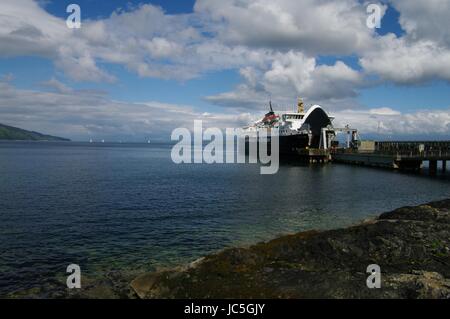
288 145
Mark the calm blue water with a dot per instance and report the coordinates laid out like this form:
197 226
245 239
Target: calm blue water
128 207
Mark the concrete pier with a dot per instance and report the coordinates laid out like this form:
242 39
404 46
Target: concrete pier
406 156
398 155
313 155
433 167
375 160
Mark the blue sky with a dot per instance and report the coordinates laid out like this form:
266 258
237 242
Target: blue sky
95 9
222 61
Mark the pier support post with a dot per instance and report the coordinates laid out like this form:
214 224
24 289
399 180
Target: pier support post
408 165
433 167
444 166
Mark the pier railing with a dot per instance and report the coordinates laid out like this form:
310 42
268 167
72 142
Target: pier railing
413 154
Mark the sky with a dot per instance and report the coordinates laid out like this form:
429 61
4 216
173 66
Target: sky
138 69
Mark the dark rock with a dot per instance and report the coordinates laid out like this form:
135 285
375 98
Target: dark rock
410 244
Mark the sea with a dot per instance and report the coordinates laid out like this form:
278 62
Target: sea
127 208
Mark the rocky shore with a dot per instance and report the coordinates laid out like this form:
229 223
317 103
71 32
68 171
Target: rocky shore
410 244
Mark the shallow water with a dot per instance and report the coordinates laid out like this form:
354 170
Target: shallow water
127 207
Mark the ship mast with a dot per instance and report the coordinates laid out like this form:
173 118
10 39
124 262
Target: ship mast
300 106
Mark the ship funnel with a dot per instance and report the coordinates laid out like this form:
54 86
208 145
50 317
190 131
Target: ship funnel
300 106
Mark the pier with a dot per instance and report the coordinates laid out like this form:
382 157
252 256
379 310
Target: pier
397 155
314 155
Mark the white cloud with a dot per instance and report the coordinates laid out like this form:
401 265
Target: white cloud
235 34
419 56
57 86
290 75
27 29
151 43
384 111
336 27
131 38
85 114
8 77
301 75
162 48
403 62
386 121
425 20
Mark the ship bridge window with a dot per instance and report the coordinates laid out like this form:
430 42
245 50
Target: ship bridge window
293 117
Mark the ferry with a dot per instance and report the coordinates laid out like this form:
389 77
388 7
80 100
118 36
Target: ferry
297 130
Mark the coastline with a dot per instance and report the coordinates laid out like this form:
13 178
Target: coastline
410 244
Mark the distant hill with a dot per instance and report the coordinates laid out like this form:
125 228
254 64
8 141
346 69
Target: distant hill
16 134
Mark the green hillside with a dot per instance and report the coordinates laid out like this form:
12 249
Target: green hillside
16 134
